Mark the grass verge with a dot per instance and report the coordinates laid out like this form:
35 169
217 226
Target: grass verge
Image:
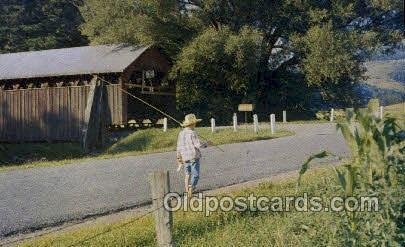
140 142
397 111
227 229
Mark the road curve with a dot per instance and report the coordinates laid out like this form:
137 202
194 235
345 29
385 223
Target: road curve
32 199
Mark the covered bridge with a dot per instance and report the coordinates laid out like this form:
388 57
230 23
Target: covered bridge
44 94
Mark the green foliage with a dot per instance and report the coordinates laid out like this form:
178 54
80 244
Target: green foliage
120 25
39 24
152 140
323 42
137 22
223 228
397 111
33 152
139 142
305 166
296 46
373 105
330 60
376 169
338 115
217 69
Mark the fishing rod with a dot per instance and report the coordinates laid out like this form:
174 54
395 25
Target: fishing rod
160 111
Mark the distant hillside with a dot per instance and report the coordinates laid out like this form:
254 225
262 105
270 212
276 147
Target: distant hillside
386 77
389 74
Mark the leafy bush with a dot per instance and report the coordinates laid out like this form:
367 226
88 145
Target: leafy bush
214 73
373 105
375 169
325 115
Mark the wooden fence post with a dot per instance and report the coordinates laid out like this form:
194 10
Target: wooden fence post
332 113
164 124
255 123
235 122
272 123
212 125
160 186
284 116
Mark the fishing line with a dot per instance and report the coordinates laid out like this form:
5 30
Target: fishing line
144 102
158 110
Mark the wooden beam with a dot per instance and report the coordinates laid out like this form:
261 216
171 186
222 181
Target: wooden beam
154 91
104 115
93 130
159 93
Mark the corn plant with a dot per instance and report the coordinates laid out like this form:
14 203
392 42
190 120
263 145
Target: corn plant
377 169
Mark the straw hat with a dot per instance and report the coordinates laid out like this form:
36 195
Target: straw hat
190 119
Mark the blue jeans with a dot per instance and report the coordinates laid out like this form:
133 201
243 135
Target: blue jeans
192 168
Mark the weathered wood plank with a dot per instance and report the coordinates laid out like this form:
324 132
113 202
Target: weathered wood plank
90 129
160 187
51 113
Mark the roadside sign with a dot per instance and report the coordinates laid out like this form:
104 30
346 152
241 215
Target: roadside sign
245 107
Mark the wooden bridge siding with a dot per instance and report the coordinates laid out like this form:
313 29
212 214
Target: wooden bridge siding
51 114
116 104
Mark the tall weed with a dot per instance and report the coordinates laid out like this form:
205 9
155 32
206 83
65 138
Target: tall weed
376 169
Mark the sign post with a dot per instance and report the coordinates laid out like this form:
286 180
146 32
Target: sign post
246 108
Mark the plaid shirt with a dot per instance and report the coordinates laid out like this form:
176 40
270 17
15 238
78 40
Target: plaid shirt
188 145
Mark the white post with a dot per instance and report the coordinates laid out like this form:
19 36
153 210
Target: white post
284 116
332 112
164 124
212 125
381 112
272 123
235 122
255 123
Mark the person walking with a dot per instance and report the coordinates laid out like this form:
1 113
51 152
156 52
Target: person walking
189 153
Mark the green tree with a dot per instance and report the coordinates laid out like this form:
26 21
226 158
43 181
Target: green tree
216 69
329 61
292 41
137 22
39 24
